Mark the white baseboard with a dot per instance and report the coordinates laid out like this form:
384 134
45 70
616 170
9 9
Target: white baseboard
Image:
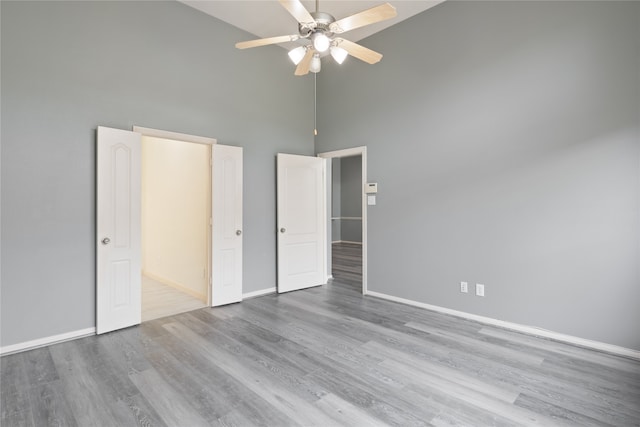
259 293
347 241
531 330
41 342
55 339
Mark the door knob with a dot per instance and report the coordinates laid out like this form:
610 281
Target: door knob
238 232
282 230
106 241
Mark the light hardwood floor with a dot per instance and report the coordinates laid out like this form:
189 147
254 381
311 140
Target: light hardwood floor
325 356
160 300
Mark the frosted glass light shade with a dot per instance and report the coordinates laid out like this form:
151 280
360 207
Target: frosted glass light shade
315 64
339 54
297 54
321 42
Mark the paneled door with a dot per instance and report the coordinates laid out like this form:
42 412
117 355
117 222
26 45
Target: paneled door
118 235
301 222
226 287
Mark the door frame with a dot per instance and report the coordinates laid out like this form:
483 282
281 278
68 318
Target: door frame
176 136
350 152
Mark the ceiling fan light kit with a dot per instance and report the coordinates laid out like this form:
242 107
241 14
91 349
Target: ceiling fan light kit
316 64
339 54
320 41
320 29
297 54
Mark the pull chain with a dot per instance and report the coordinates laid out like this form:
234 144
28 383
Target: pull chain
315 104
315 91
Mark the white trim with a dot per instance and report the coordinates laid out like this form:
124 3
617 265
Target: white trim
325 223
348 152
346 241
531 330
259 293
183 137
41 342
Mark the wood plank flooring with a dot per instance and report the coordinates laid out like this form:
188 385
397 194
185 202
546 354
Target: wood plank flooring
325 356
346 261
160 300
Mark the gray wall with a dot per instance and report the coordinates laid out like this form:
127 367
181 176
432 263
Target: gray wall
68 67
505 138
346 198
336 199
351 198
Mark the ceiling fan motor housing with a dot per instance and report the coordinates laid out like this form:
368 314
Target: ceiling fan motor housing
322 24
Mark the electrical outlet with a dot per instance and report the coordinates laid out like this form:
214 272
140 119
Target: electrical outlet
464 287
479 289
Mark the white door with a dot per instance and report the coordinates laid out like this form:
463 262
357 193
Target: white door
118 268
301 222
226 211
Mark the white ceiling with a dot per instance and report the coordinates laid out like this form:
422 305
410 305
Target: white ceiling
267 18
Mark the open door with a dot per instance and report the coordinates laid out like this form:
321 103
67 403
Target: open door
226 286
118 236
301 222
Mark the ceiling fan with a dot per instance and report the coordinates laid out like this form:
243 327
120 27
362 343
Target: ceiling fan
323 30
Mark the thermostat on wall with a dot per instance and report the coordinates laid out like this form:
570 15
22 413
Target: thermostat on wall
371 187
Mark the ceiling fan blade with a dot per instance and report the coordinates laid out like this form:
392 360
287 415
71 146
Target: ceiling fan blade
267 41
298 11
370 16
305 64
362 53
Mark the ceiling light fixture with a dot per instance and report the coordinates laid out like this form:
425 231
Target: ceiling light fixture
315 63
339 54
297 54
320 41
323 33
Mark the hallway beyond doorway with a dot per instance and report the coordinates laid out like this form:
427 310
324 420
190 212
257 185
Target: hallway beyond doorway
346 262
160 300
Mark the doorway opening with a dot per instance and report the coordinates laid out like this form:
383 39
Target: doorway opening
176 212
347 211
346 219
119 229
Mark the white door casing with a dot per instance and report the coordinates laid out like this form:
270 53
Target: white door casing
301 222
348 152
226 230
118 230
